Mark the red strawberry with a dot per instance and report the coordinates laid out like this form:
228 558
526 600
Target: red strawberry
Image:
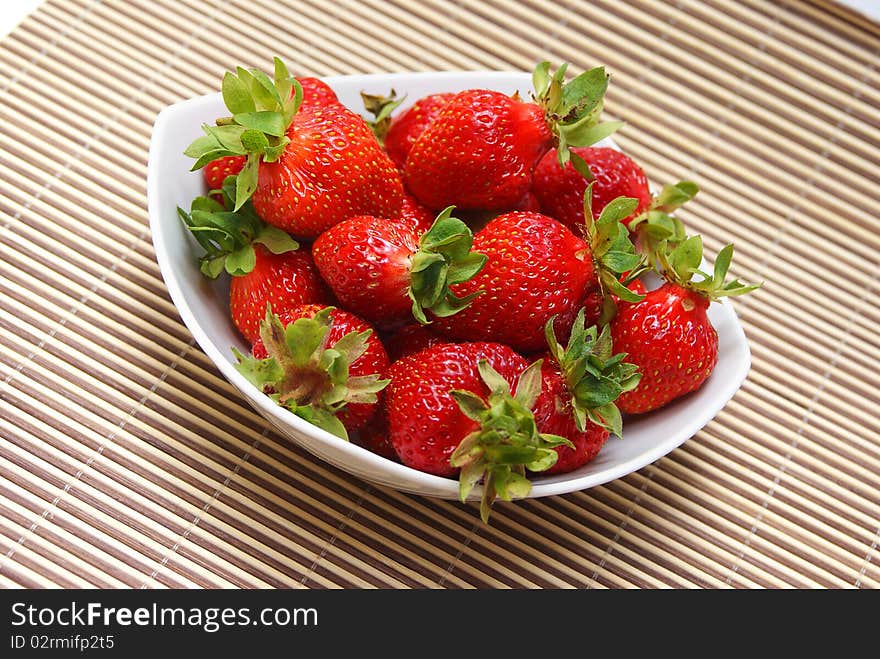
529 203
413 214
481 149
267 266
309 166
283 281
560 190
315 93
450 410
322 363
406 127
331 170
668 334
411 338
536 269
579 386
375 437
216 171
388 272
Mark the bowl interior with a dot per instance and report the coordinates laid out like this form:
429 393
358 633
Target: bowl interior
203 305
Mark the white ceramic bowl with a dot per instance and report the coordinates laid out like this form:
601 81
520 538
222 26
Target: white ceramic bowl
203 306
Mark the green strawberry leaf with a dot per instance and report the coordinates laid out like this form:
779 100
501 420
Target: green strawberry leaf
618 209
594 375
321 418
673 197
443 259
275 240
236 95
265 122
262 110
572 109
306 375
259 372
507 441
227 237
241 261
381 108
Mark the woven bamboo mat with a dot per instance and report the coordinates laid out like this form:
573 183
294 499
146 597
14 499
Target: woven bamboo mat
127 461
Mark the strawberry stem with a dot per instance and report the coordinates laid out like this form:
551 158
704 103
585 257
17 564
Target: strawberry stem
612 250
305 374
262 110
228 237
594 375
572 110
507 441
443 259
381 108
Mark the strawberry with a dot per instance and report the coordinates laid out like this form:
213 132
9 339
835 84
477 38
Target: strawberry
580 383
481 149
413 214
406 127
216 171
388 272
321 363
309 166
411 338
331 169
450 411
375 438
282 281
536 269
668 334
315 92
560 190
266 264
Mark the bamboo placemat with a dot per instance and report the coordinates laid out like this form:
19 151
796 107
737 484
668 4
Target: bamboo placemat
127 461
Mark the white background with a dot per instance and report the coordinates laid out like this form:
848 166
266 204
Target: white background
12 11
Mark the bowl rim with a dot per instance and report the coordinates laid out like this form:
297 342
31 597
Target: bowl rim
400 477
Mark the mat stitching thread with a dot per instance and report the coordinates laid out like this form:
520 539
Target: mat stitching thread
47 513
744 306
621 527
45 49
210 502
867 560
342 524
464 545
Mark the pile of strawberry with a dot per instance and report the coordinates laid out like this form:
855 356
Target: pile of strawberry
457 285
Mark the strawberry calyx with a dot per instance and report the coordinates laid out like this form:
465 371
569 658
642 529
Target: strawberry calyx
593 374
228 236
262 109
679 264
615 259
381 108
444 258
657 224
305 374
572 110
507 442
